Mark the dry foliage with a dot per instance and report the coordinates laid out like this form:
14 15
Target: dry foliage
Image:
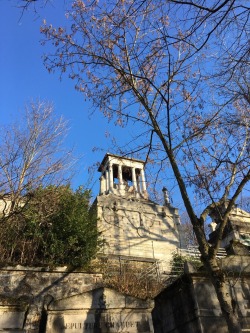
138 279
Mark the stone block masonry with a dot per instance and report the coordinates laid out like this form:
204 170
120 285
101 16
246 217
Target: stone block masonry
130 223
190 304
36 301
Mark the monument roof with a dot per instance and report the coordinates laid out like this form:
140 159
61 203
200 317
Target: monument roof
119 157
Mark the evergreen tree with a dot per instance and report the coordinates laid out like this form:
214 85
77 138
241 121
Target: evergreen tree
55 228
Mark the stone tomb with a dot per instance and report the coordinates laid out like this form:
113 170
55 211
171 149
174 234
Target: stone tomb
190 304
37 301
133 226
101 310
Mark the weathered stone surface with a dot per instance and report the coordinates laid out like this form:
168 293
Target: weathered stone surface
236 231
237 248
35 283
100 311
137 228
131 224
237 264
33 301
100 322
24 293
11 317
190 305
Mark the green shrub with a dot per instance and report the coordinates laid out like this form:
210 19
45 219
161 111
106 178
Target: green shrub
178 260
55 228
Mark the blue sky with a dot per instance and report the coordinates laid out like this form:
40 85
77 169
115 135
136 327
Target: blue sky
24 77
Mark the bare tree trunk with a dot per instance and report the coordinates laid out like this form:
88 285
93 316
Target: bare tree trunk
218 279
209 260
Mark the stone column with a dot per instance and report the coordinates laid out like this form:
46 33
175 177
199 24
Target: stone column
102 184
120 177
144 188
111 178
107 179
138 178
134 179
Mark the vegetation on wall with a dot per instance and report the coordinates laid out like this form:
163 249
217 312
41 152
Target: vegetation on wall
56 227
134 278
178 261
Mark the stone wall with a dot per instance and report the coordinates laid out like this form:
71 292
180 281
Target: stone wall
36 301
190 304
137 228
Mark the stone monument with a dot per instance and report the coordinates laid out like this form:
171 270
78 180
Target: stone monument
37 301
133 226
237 229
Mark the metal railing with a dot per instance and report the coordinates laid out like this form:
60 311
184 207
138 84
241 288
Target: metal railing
193 251
162 271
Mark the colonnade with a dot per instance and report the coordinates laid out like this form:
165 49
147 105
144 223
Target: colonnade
107 184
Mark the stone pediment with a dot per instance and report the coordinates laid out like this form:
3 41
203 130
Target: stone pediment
100 298
101 310
86 308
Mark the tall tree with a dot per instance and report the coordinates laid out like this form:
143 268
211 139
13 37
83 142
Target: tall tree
157 65
32 155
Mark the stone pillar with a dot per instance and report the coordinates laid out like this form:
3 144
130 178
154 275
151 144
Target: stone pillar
102 184
107 179
111 178
134 179
120 176
144 188
139 183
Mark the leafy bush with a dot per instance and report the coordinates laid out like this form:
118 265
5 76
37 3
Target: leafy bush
55 228
178 260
